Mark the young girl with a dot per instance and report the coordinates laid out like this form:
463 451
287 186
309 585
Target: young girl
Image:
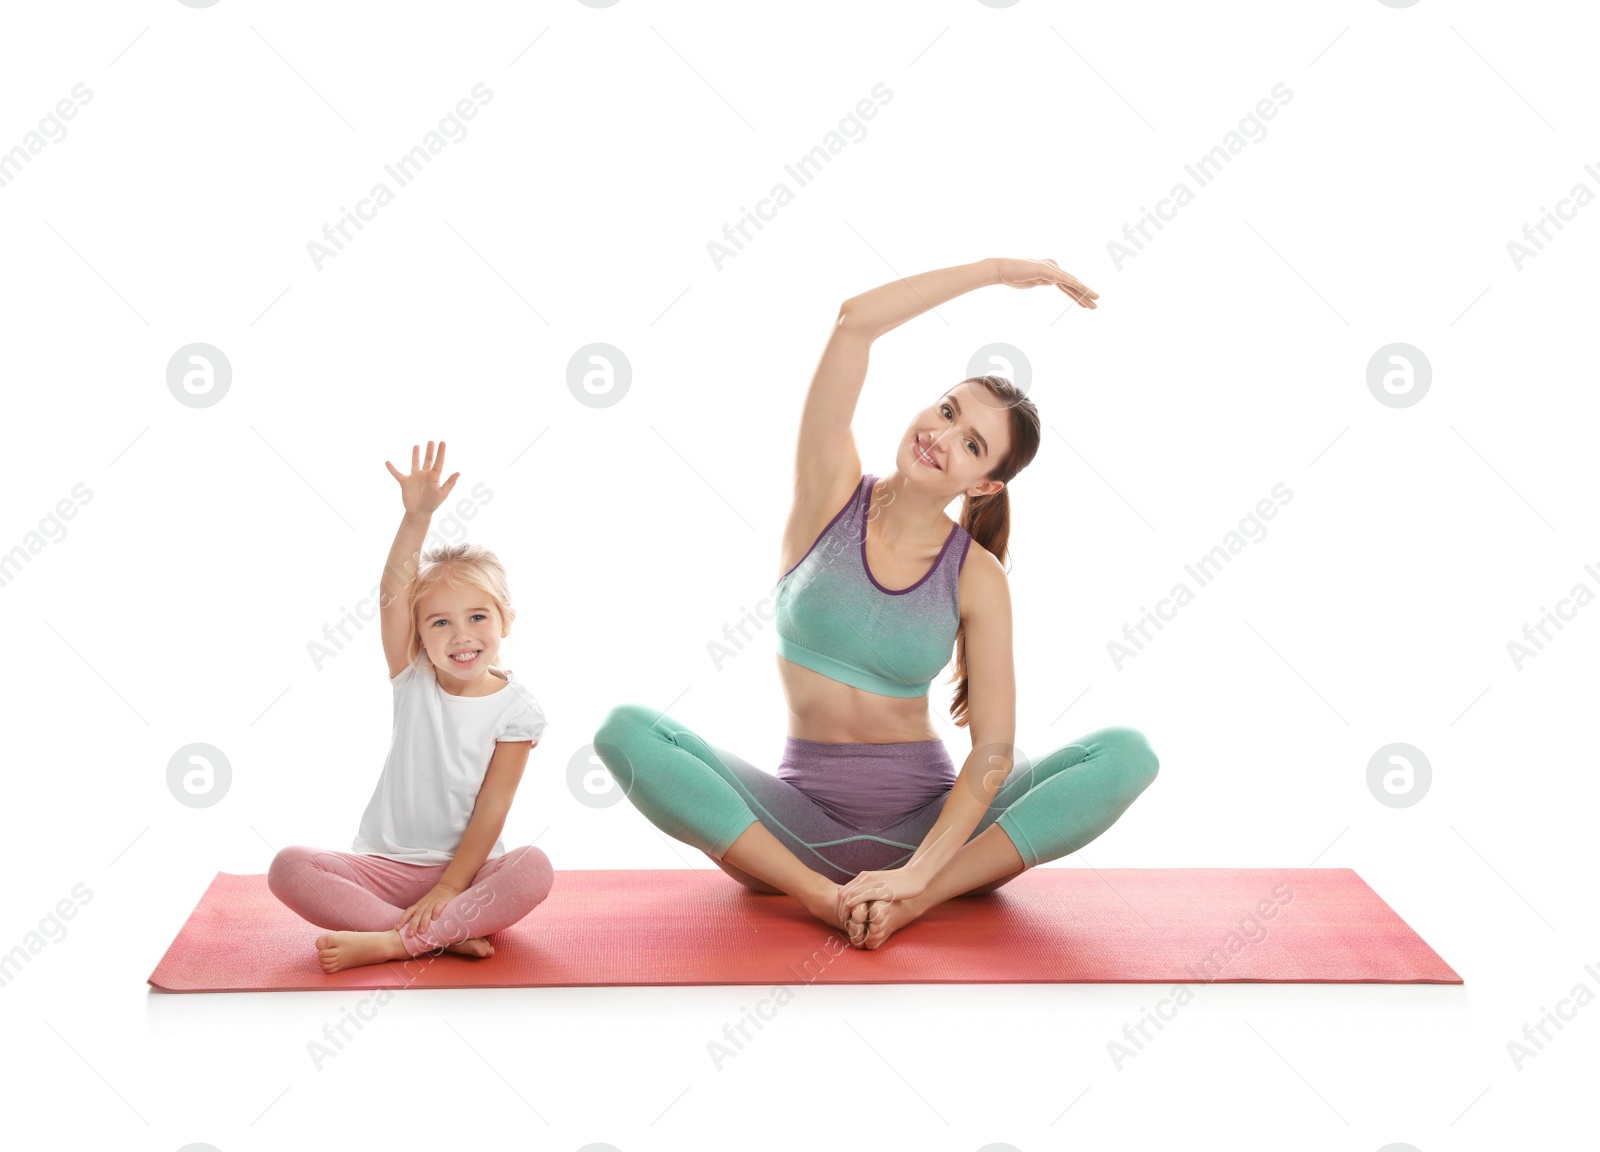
428 869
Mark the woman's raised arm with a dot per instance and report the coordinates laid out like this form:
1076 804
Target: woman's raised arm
886 307
827 464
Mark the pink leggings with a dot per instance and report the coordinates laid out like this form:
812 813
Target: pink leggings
362 893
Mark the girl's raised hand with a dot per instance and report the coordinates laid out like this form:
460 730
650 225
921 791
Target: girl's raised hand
421 491
1030 273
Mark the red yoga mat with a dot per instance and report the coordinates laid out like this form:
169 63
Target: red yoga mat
698 926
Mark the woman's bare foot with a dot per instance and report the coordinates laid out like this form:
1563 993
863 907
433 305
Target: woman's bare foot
856 925
340 950
476 946
881 919
823 903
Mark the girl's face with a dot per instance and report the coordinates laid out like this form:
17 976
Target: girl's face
460 620
965 433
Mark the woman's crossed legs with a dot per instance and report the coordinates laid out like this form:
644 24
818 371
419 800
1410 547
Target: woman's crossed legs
771 836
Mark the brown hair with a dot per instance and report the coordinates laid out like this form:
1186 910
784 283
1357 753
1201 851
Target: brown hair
988 518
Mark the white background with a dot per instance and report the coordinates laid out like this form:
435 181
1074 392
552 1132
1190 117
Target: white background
1228 356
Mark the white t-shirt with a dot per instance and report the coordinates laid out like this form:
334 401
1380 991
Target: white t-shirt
439 754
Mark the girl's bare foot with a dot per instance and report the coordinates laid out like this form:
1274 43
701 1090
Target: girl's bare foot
340 950
476 946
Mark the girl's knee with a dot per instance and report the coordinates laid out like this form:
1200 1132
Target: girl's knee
506 888
286 864
539 874
532 860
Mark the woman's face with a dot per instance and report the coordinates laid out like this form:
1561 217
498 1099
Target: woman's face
964 433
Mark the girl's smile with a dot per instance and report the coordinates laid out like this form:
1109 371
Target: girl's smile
461 634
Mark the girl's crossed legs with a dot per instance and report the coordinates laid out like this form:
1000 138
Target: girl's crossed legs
860 809
365 895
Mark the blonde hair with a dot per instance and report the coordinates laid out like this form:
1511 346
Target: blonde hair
462 565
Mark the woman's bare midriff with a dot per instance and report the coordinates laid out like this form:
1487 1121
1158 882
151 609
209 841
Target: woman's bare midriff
830 712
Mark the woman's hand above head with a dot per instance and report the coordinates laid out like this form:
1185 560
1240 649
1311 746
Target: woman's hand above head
421 491
1031 273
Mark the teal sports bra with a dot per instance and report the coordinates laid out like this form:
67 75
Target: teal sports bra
835 618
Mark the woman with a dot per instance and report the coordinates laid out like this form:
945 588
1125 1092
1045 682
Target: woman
866 822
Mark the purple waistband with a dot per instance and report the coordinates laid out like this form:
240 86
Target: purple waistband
868 786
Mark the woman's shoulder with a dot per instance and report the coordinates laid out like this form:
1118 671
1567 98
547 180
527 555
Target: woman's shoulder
982 574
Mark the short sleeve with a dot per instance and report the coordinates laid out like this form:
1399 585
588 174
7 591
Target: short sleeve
526 723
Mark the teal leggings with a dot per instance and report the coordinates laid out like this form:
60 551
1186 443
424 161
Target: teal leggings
845 809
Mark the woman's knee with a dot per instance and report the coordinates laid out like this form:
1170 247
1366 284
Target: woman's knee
1132 750
624 742
622 729
617 734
